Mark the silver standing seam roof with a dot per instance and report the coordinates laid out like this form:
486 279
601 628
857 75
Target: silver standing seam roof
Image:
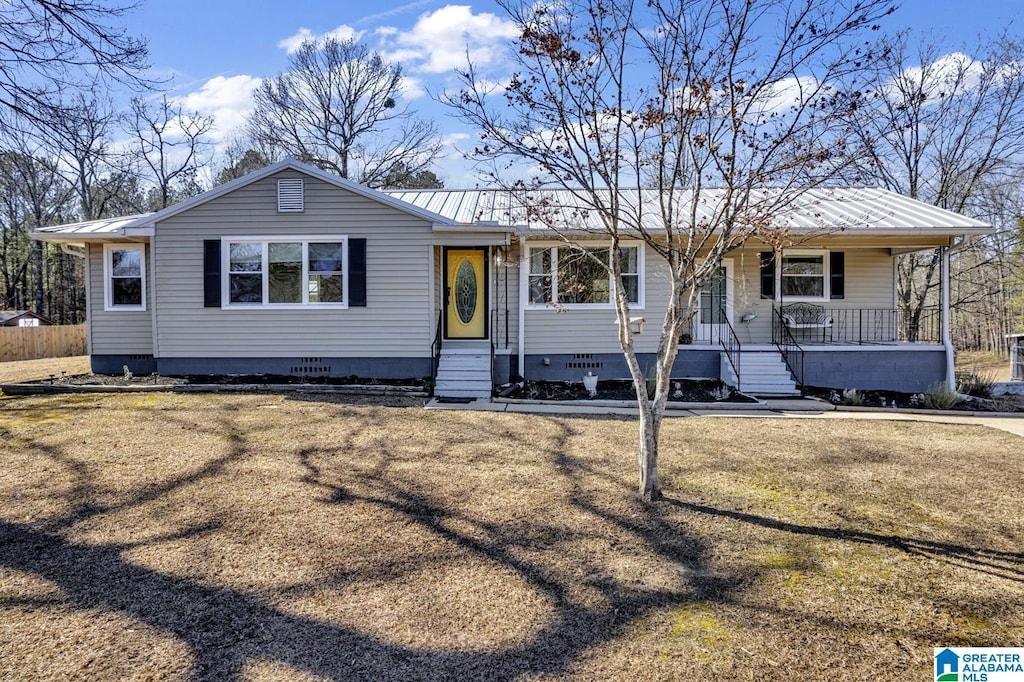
90 228
858 210
869 210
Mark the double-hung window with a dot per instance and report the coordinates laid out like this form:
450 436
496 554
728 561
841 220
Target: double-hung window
124 276
285 272
804 275
581 276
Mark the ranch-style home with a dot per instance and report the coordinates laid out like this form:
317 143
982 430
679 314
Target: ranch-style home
294 271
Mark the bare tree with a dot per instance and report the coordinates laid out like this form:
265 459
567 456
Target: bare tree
32 194
666 122
336 108
52 46
172 145
944 128
79 134
239 157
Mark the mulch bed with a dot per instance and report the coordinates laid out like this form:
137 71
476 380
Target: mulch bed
223 379
682 391
896 400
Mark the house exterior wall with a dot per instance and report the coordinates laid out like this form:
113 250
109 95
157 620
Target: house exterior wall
869 284
396 322
909 370
117 332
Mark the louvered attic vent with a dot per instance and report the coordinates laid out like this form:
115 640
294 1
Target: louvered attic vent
290 197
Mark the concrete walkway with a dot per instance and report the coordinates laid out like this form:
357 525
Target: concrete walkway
788 408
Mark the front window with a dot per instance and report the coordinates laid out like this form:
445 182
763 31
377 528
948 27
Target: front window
566 276
803 275
125 276
286 272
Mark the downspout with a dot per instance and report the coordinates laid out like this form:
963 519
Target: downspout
72 250
947 323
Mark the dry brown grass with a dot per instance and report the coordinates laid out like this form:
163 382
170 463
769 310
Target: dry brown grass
260 537
31 370
992 366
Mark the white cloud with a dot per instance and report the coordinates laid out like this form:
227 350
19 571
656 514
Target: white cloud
954 72
401 9
411 88
439 40
294 42
227 98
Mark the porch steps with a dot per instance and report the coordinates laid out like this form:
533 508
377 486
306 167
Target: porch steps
464 371
762 373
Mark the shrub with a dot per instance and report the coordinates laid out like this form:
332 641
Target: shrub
975 384
940 396
852 396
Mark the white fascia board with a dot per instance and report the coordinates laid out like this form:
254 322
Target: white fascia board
137 231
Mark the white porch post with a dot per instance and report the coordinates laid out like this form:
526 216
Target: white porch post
947 334
524 277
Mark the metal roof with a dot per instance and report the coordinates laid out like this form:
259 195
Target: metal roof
98 228
874 211
850 209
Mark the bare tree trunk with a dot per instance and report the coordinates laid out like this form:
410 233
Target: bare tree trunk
650 425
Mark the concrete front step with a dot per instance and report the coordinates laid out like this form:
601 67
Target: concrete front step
466 350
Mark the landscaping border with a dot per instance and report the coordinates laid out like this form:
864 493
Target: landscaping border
347 389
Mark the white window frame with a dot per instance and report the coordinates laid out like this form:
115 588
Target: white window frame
305 240
108 272
610 305
826 274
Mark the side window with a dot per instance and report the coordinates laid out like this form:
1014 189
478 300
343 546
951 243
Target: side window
124 276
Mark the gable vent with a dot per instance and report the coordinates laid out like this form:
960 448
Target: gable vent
290 196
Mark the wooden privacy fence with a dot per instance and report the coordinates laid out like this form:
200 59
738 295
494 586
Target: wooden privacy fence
32 343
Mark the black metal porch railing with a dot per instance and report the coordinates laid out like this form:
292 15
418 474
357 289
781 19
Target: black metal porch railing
731 345
790 349
857 326
435 350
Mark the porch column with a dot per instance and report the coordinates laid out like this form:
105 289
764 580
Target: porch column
524 278
947 334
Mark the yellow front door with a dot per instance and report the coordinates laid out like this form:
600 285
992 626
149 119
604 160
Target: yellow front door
466 291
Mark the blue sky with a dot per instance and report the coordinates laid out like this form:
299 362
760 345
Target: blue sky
216 51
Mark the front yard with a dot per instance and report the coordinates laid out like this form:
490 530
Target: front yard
160 536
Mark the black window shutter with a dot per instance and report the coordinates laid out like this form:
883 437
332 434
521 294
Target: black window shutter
211 273
837 274
768 274
357 272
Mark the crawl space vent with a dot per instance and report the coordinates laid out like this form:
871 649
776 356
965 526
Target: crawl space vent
290 198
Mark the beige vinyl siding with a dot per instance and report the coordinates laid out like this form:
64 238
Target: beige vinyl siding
593 330
869 284
117 332
395 323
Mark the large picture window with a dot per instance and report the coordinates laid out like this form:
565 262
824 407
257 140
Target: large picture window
285 272
565 276
124 276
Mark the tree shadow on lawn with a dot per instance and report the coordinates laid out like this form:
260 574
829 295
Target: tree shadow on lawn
1006 565
225 629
